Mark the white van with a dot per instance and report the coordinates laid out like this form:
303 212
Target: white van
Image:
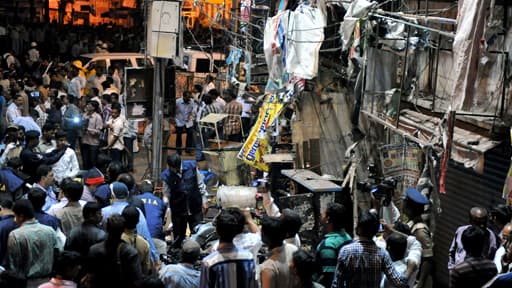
202 63
119 59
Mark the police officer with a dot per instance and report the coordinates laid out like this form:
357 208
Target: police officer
414 207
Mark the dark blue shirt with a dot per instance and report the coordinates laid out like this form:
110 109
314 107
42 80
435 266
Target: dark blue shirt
47 220
7 224
503 281
155 212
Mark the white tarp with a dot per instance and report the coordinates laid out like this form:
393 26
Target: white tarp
466 51
305 36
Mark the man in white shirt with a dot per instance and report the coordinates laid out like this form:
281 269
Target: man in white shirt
67 166
14 109
116 127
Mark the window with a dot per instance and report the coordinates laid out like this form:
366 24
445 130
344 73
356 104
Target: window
202 65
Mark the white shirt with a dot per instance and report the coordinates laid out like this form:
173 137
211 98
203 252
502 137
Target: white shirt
401 267
13 112
62 203
67 166
497 258
33 55
116 130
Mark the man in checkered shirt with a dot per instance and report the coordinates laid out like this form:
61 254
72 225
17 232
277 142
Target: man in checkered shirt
232 124
361 263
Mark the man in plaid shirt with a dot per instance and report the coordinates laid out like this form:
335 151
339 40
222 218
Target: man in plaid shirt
232 124
361 263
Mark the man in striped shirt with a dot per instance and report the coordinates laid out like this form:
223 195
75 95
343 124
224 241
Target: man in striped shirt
229 266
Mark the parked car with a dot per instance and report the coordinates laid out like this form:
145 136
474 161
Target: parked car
119 59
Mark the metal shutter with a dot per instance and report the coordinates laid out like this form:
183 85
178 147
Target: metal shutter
466 189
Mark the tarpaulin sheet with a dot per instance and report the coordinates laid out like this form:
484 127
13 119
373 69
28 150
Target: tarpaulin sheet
466 51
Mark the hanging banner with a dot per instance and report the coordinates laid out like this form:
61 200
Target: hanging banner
508 181
256 144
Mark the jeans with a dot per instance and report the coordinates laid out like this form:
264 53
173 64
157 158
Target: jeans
89 155
189 142
179 226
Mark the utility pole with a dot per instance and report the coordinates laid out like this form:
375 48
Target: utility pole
162 42
158 116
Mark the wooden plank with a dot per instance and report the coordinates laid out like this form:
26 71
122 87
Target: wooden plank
310 180
279 158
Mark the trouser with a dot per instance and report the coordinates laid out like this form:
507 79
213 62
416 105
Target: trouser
179 226
115 155
128 155
89 155
189 142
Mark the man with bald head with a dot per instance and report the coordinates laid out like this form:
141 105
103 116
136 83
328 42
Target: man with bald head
506 232
477 217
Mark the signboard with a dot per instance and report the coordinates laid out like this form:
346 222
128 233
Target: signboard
138 92
165 26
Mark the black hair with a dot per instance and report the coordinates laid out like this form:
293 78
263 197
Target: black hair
336 214
396 245
42 171
272 230
94 105
66 261
131 217
73 191
229 223
291 222
473 239
174 160
48 126
213 93
305 266
115 168
61 134
367 224
207 99
38 198
198 88
107 98
116 106
402 227
31 135
90 209
6 203
23 207
229 93
128 180
15 96
501 213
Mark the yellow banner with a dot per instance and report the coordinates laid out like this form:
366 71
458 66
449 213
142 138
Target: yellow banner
256 144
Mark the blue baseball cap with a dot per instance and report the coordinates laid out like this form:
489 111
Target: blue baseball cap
416 197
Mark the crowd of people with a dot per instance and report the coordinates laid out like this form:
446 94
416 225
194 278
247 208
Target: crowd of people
72 214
